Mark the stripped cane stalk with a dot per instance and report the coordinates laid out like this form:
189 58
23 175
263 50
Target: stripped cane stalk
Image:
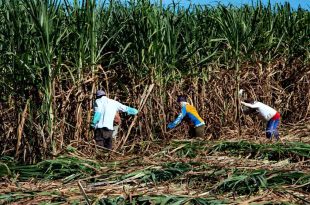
21 127
84 193
141 101
139 109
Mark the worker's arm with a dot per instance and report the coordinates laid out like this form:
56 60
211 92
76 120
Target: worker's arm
178 119
127 109
249 111
96 116
255 105
132 111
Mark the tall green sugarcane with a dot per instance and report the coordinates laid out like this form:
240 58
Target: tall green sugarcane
148 41
78 31
91 11
44 15
227 21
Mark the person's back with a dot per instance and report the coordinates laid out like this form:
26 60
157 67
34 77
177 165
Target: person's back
108 109
264 110
189 111
104 115
192 114
268 113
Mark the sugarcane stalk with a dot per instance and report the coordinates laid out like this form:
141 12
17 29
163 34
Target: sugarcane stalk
142 103
90 6
84 193
21 127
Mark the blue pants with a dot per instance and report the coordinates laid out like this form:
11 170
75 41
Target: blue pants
272 129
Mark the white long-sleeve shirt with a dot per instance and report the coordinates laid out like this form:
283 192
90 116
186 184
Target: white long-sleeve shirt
108 108
265 111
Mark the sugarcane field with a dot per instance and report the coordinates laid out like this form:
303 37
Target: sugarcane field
146 103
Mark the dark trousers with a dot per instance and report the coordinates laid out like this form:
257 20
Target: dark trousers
197 131
103 137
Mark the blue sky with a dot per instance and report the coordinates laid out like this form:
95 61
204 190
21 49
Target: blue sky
294 3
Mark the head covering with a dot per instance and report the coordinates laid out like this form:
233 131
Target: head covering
100 93
181 98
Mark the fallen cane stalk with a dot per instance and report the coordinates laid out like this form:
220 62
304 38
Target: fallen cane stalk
298 197
83 192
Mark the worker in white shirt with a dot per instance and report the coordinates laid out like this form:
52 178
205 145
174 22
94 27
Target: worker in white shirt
105 112
268 113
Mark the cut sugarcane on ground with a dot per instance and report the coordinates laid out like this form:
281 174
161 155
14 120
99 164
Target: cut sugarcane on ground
229 171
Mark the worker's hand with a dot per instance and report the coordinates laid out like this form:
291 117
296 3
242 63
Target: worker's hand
171 125
132 111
